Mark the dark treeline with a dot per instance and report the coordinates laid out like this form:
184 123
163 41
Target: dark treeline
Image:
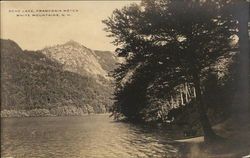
182 61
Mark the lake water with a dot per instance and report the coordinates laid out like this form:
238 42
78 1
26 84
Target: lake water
92 136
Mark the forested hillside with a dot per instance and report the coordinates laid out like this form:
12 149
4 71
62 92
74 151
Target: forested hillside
62 80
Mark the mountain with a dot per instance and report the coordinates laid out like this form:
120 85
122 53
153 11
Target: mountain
107 59
76 58
67 79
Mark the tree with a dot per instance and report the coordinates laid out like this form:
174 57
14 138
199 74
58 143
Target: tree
175 42
240 10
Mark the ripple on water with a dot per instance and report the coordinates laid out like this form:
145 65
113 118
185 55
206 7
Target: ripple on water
94 136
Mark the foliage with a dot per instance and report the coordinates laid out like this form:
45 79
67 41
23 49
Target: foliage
167 44
56 111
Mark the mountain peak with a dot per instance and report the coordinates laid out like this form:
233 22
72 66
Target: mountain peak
73 43
76 58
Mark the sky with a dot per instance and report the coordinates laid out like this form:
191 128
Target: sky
83 25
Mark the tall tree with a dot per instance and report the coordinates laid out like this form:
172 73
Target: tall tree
176 41
240 10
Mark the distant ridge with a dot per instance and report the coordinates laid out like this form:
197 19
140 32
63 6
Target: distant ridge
79 59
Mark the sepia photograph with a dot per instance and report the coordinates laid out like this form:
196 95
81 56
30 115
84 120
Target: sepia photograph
125 79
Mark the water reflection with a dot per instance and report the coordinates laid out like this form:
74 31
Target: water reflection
88 136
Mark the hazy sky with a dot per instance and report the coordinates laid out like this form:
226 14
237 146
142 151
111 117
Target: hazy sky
84 26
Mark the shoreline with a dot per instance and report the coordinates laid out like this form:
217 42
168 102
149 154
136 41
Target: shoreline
56 112
236 144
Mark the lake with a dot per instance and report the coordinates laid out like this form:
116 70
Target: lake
91 136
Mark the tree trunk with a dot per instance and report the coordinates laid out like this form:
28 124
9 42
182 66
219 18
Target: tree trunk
209 134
